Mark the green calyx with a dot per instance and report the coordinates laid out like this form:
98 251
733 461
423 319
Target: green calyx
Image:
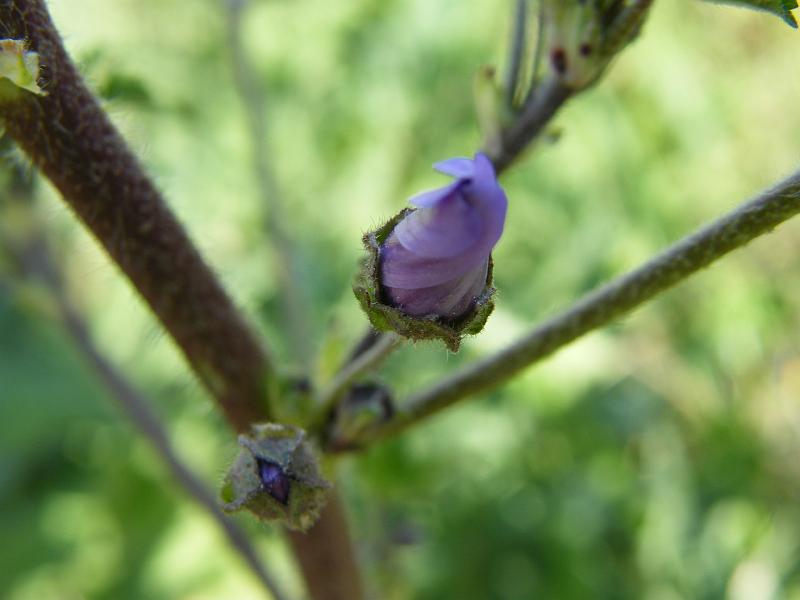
302 488
384 317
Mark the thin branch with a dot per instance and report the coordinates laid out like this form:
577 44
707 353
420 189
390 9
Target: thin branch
517 50
69 137
537 54
352 371
675 264
35 262
293 299
540 108
137 408
367 340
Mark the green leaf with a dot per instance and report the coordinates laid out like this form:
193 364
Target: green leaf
782 8
20 65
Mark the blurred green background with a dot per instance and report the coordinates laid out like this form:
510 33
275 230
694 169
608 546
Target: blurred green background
658 458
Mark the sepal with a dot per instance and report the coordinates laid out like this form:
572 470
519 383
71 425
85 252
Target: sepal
276 477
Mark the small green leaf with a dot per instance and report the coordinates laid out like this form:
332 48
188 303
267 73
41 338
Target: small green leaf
782 8
20 65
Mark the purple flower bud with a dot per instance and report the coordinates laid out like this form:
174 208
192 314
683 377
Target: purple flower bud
274 480
435 261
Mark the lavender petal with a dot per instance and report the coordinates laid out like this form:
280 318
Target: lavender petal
461 168
435 260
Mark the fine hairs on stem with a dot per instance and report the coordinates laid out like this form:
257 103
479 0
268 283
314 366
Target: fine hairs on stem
34 261
68 136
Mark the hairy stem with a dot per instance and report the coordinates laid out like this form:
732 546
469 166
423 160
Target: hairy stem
326 556
70 138
678 262
293 299
137 409
34 260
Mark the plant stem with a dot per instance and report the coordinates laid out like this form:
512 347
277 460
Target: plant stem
517 50
540 108
368 339
35 261
69 137
678 262
352 371
137 409
326 555
537 54
293 300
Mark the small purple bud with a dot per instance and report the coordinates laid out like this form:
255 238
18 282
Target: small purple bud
435 261
274 480
276 477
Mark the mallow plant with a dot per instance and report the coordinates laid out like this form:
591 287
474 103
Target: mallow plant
426 274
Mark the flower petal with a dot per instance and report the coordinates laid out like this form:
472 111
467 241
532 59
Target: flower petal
404 269
435 261
462 168
443 231
450 299
433 197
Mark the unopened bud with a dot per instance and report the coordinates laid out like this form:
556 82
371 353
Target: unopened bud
276 477
428 273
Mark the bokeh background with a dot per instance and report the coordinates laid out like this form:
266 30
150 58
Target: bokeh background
658 458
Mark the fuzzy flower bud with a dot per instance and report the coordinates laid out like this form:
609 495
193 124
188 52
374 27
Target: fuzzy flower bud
436 260
429 275
276 477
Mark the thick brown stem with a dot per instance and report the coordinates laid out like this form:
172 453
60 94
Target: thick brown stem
326 556
70 138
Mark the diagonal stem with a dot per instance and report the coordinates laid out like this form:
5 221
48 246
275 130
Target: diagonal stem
137 409
327 557
34 260
675 264
537 112
70 138
517 50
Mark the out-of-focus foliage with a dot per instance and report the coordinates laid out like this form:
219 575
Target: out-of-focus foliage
655 459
